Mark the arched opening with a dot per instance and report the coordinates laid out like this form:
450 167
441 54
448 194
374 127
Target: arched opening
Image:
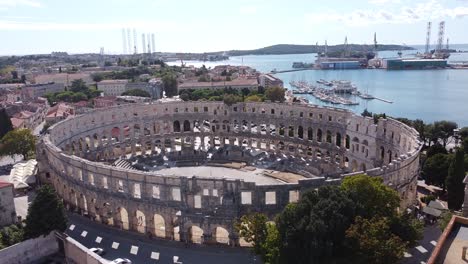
300 132
310 133
140 222
319 135
221 235
329 136
347 142
346 163
338 139
176 126
195 234
136 130
186 126
159 226
123 218
291 131
363 167
390 156
115 134
382 153
354 165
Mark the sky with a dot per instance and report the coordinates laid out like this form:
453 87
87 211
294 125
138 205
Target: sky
43 26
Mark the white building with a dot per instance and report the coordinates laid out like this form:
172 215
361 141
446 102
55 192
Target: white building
112 87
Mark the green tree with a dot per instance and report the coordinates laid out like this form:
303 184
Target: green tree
253 98
371 196
374 242
253 228
443 130
455 186
435 149
19 141
170 85
137 92
366 113
5 123
465 145
45 214
272 244
231 99
435 169
463 133
444 220
12 234
97 77
275 94
76 97
78 85
313 230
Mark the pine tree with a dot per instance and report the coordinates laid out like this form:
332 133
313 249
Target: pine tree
455 185
5 123
45 214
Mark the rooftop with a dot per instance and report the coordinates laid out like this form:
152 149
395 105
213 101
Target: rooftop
113 81
5 184
450 246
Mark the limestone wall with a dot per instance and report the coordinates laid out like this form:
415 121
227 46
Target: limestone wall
336 142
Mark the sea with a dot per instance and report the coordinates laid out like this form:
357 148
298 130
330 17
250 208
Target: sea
430 95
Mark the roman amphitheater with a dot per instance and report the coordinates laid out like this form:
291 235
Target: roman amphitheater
187 170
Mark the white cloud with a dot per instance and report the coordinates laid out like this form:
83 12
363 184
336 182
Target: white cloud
6 4
429 10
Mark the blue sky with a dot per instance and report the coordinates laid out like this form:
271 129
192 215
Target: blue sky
42 26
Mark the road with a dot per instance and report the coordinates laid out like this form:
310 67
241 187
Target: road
119 243
421 253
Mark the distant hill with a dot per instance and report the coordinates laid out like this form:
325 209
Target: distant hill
301 49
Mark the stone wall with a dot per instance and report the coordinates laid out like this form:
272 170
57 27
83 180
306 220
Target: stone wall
335 142
30 251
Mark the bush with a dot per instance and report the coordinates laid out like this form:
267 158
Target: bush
428 198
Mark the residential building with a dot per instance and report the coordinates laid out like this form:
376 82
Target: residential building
452 247
112 87
64 78
268 80
39 90
7 205
59 112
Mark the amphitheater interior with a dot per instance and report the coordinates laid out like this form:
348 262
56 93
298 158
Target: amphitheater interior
187 170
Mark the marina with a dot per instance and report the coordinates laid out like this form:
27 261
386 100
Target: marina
333 95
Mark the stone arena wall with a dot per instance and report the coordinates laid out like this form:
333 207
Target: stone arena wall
329 142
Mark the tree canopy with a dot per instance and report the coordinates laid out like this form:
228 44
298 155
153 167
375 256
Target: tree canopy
435 169
78 85
45 214
275 94
371 196
375 242
455 186
170 85
18 141
313 230
5 123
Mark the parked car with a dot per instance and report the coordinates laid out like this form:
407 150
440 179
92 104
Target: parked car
98 251
121 261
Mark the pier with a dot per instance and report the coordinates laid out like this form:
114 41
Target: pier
383 100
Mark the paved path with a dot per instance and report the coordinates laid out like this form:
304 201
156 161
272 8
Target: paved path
421 253
139 249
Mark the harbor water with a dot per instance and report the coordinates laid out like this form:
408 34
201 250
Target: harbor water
429 95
